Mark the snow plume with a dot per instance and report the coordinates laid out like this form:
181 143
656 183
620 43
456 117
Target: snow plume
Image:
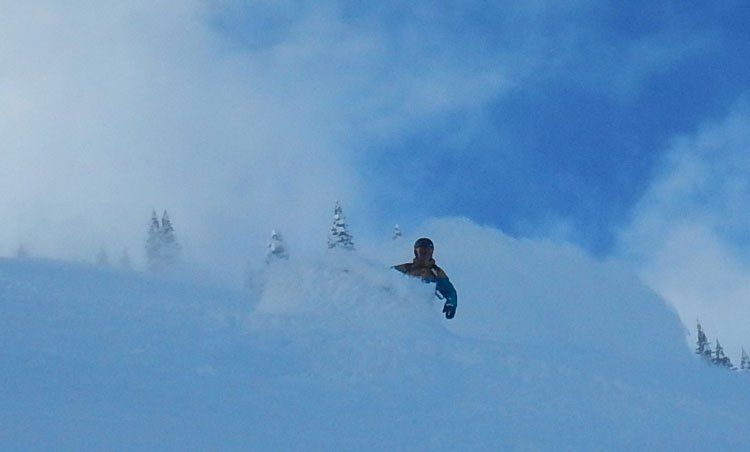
689 237
528 291
518 292
383 322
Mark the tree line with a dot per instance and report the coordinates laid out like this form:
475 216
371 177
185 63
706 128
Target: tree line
338 238
716 355
163 250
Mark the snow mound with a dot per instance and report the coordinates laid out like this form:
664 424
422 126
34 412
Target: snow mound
346 306
553 295
344 353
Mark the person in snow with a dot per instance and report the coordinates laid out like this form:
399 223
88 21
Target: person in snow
423 266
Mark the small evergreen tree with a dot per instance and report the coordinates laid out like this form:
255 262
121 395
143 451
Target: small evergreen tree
276 248
153 244
340 236
720 359
396 232
170 249
704 347
162 249
745 362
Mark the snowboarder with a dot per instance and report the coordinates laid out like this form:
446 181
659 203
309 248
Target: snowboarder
423 266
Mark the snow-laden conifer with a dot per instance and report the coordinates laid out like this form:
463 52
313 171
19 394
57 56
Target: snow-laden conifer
396 232
340 236
276 248
745 362
162 249
704 347
170 249
720 359
153 244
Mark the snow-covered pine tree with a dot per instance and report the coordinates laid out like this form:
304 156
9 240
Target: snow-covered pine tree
745 362
276 248
153 244
340 237
704 347
102 259
396 232
720 359
170 249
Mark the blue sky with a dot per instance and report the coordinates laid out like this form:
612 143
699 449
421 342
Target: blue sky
597 91
576 139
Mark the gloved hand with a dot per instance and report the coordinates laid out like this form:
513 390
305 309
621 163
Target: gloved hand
449 310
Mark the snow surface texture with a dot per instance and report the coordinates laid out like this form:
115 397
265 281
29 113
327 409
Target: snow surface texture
550 350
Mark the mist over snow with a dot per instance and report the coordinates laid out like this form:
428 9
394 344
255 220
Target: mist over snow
688 237
112 110
550 350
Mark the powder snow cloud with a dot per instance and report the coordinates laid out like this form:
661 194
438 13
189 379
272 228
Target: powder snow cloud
111 110
689 234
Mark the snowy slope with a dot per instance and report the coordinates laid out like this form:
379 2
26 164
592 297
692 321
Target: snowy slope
550 350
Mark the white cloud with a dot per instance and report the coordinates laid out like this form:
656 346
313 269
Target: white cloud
111 109
689 234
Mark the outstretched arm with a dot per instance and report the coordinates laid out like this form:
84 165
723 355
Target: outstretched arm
447 290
